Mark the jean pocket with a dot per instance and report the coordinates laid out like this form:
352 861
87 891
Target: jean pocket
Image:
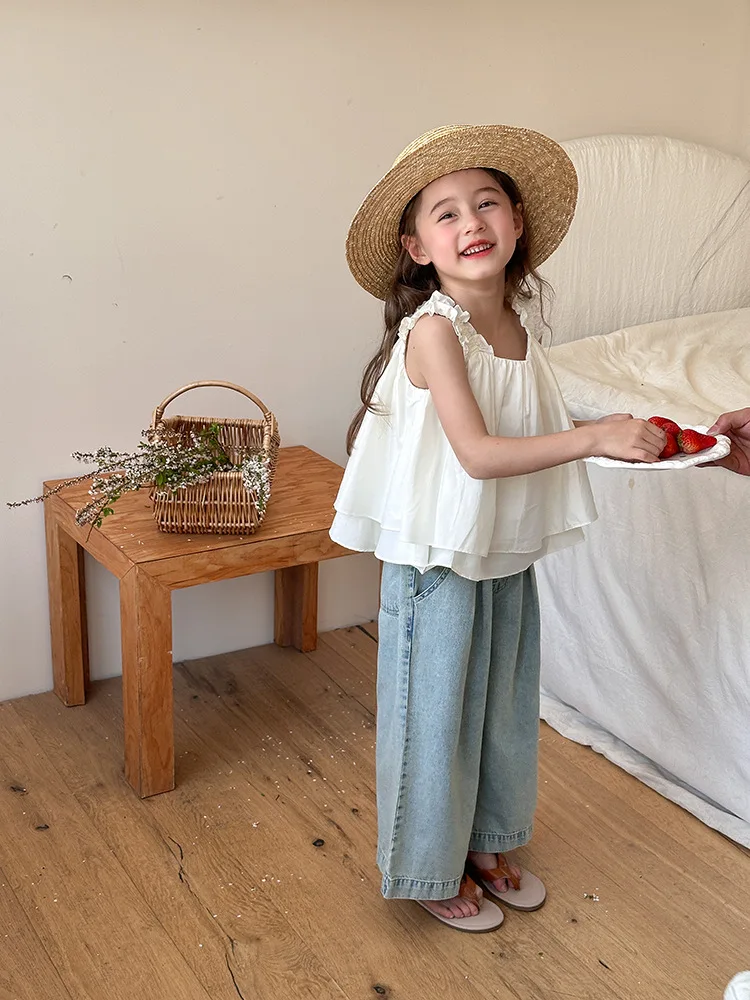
427 583
401 584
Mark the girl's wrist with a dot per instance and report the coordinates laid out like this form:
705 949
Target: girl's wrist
588 437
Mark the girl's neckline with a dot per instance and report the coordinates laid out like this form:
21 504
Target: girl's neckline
465 317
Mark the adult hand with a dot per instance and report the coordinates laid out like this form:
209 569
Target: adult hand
736 426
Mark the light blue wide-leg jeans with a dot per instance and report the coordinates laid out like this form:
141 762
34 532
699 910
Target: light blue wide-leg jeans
457 724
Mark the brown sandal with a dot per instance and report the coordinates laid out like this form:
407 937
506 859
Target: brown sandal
524 893
489 917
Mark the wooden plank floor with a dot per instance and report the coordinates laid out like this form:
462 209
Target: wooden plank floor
218 890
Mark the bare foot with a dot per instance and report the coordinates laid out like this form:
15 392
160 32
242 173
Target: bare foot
482 860
458 906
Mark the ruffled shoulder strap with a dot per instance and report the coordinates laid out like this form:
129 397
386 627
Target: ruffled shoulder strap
442 305
529 311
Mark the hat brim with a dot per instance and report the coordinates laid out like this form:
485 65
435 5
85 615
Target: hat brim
541 169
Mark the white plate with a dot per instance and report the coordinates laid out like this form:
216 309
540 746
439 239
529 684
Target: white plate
679 461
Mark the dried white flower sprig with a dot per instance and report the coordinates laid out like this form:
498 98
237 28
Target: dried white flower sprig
162 464
256 478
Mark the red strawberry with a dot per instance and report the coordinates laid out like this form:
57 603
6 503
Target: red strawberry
692 441
671 447
666 424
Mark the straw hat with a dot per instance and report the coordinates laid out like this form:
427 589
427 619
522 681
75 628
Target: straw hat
542 170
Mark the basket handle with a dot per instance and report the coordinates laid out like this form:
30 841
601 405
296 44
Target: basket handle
159 411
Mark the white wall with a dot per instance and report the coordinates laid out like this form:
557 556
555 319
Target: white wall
192 167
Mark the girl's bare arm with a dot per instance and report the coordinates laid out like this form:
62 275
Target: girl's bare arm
435 361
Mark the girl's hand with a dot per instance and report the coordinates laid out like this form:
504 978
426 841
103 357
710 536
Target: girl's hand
603 420
614 416
627 439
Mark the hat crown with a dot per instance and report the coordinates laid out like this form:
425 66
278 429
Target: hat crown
425 139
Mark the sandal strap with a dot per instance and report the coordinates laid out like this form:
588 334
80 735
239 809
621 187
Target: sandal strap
503 870
468 889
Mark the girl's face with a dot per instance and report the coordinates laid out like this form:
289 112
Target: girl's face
466 227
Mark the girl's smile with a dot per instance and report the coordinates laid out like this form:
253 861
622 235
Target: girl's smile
480 248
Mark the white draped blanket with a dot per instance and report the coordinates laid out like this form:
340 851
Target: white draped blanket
646 627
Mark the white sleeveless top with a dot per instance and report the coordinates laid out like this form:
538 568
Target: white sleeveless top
407 498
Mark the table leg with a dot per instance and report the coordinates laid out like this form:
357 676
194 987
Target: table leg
67 611
146 615
296 607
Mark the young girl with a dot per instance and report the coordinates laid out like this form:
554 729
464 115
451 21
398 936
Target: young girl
464 470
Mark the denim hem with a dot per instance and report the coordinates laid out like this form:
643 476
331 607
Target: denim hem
415 888
492 843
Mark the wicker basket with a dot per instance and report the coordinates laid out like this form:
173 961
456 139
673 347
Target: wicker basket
222 505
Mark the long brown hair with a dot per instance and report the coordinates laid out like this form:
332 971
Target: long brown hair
413 284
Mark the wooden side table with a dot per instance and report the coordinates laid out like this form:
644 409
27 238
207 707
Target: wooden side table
149 564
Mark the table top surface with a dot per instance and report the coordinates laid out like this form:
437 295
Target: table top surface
302 495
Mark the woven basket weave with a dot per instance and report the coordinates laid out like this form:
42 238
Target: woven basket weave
222 505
